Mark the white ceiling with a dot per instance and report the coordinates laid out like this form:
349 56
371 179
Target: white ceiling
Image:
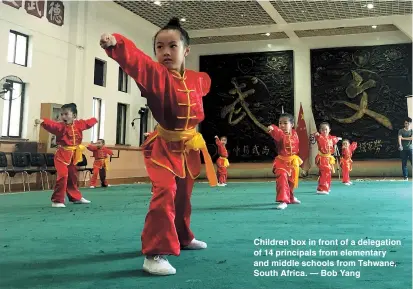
249 20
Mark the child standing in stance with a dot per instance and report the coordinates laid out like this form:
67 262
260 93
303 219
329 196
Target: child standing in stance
286 165
69 152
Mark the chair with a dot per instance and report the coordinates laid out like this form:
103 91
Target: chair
38 165
21 165
4 171
50 168
82 167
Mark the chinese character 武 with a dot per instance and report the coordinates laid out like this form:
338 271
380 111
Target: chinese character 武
255 150
35 8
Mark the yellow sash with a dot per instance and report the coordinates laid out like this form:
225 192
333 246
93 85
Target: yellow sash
79 149
226 162
193 141
295 162
331 160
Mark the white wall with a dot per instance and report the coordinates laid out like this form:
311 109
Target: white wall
301 48
45 76
61 61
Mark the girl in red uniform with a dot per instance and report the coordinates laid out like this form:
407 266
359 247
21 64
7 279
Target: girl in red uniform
69 153
222 161
325 159
100 165
346 162
174 96
286 166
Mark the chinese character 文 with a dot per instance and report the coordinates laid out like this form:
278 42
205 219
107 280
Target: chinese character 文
35 8
355 88
14 4
55 12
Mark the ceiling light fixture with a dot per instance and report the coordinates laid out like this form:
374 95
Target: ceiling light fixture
183 19
267 34
157 3
370 6
269 45
374 26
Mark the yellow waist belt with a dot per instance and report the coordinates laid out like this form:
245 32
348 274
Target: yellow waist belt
78 150
226 162
295 162
193 141
331 160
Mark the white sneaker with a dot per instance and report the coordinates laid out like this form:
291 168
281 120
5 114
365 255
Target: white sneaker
82 201
322 193
92 187
109 186
347 184
196 245
296 201
225 184
158 265
281 206
220 185
58 205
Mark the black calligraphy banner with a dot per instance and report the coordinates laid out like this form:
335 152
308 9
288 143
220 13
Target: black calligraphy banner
248 93
362 92
35 8
55 12
14 4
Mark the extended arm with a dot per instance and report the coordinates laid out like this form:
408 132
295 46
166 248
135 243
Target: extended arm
52 126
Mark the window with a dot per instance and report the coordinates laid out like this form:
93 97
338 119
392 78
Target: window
13 111
18 48
121 124
122 81
99 114
100 72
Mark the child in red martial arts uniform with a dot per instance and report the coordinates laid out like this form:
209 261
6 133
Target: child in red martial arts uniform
286 166
346 162
222 161
101 163
69 153
174 95
325 159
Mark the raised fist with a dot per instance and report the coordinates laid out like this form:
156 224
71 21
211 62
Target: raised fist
107 40
270 128
38 121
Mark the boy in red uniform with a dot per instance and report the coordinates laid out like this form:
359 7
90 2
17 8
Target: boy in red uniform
325 159
100 165
174 95
346 162
286 166
222 161
69 152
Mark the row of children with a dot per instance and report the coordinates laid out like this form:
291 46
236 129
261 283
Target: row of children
286 164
